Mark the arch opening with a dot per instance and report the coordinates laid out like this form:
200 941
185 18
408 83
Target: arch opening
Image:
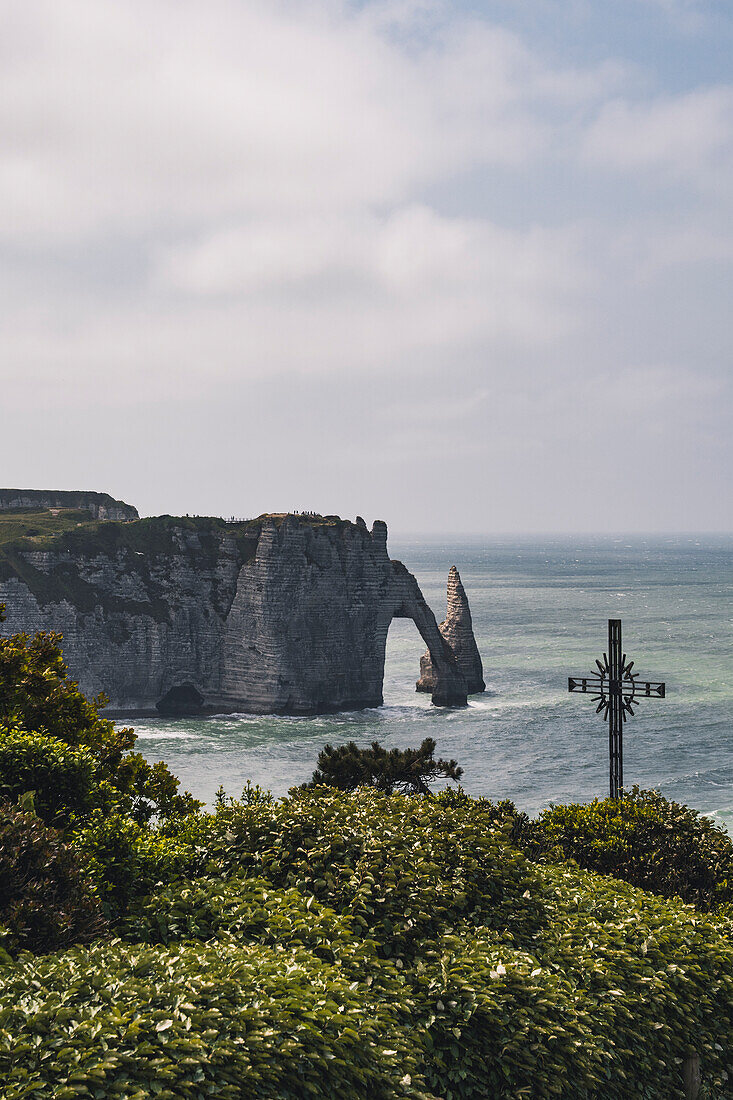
404 646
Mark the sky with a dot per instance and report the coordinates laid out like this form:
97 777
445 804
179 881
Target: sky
462 266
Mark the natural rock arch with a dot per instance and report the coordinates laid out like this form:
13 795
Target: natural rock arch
448 687
284 614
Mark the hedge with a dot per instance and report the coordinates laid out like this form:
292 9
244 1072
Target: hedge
644 839
62 778
196 1020
403 867
264 992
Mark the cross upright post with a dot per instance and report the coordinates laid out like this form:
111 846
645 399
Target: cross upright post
615 721
617 690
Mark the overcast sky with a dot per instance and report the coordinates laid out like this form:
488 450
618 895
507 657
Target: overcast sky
465 267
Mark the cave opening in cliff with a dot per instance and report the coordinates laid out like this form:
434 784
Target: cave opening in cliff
181 700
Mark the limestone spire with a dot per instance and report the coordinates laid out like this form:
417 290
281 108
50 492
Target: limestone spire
457 629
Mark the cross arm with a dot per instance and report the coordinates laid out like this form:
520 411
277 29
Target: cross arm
601 685
585 684
653 689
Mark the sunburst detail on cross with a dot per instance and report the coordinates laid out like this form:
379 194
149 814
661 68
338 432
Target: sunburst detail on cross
617 690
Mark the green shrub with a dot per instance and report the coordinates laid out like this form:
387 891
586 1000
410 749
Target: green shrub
127 860
263 992
46 899
249 911
62 778
645 840
35 695
403 867
606 1003
409 771
200 1020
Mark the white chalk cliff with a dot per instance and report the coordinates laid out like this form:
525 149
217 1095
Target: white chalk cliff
284 614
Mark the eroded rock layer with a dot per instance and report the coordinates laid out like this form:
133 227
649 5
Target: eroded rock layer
284 614
457 631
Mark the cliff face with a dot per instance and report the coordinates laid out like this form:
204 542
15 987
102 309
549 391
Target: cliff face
457 630
278 615
99 505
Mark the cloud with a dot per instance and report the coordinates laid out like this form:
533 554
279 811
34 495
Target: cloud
408 291
378 215
146 116
689 136
265 164
487 278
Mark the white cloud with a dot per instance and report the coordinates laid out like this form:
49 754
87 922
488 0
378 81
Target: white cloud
384 201
268 161
406 291
412 253
153 114
688 135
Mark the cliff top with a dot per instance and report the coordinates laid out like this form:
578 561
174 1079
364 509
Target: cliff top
30 528
73 534
99 505
36 523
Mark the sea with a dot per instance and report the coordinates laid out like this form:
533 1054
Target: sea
540 611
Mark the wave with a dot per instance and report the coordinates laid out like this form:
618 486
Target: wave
166 735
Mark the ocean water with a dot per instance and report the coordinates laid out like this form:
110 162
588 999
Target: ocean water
540 609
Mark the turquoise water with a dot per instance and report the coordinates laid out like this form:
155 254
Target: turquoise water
540 610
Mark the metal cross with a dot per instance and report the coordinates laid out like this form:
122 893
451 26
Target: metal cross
617 690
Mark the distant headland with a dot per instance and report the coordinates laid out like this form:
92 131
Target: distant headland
285 613
99 505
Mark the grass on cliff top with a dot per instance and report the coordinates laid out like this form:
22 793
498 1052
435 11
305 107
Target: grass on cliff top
73 533
76 531
312 519
139 543
33 524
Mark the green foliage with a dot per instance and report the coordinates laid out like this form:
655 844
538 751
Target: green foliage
249 910
37 697
340 944
645 840
32 523
407 770
402 867
46 898
143 542
199 1020
604 1005
128 860
242 989
61 778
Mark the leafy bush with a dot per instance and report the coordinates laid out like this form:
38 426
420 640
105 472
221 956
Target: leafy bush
490 1019
353 945
263 992
128 861
249 911
46 899
617 989
645 840
407 770
403 867
197 1020
61 778
36 696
